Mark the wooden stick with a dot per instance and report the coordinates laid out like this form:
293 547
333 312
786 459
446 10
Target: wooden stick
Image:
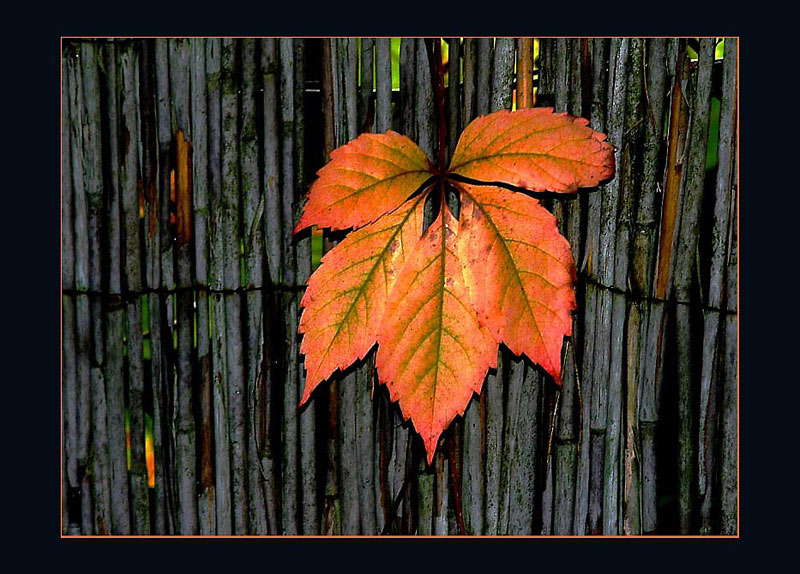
129 177
729 410
683 273
219 354
383 74
115 312
154 87
711 368
289 436
206 503
69 366
253 203
185 447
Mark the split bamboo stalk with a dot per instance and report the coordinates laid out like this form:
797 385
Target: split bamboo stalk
383 75
727 177
607 347
643 260
184 423
366 101
518 502
206 501
67 282
525 73
646 224
628 459
546 71
441 493
253 244
92 146
712 338
232 237
115 311
129 177
586 486
683 275
157 163
483 75
308 461
291 396
502 84
623 108
603 273
219 354
631 501
623 423
656 341
266 396
82 310
69 367
230 190
310 513
565 447
729 455
469 107
453 94
408 58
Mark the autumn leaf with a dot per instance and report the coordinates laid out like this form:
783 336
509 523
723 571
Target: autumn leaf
439 301
534 149
370 176
346 297
433 351
520 272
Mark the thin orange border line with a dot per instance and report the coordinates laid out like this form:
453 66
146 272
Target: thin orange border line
343 536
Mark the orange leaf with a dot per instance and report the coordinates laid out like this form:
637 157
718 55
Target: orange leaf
346 296
534 149
366 178
439 303
432 351
519 270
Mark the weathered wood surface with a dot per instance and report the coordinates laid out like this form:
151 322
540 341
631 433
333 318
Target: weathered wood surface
184 166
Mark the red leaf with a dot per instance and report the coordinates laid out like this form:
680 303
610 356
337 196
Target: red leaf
520 272
432 351
365 178
534 149
439 303
346 296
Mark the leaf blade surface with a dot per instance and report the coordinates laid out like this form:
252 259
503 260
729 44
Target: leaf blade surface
346 296
519 270
366 178
535 149
433 353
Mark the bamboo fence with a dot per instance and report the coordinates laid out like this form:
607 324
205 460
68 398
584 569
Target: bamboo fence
184 164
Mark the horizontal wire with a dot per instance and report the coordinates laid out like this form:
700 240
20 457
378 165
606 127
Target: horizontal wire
638 298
